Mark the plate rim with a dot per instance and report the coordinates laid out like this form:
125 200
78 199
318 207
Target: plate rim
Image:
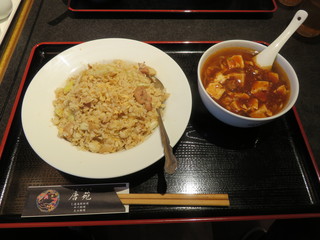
84 44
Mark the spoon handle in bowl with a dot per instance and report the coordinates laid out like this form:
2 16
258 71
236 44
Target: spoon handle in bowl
266 58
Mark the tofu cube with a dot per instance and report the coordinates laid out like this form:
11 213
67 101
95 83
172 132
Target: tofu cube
253 104
236 106
260 86
236 61
215 90
260 90
262 112
239 77
242 96
273 77
220 77
282 90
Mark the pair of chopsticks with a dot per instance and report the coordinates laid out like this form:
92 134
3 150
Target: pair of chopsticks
175 199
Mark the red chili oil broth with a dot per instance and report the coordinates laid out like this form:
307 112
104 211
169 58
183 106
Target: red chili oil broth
240 96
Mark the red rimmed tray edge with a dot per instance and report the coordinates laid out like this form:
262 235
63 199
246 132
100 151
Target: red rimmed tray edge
146 221
155 221
171 11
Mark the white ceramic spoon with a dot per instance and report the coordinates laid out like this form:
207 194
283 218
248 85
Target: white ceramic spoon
266 58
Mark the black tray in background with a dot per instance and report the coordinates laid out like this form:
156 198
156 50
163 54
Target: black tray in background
217 8
267 171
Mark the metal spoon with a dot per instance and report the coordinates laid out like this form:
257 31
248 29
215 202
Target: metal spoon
266 58
171 162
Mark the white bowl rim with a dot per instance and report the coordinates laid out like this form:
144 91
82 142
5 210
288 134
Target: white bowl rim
282 112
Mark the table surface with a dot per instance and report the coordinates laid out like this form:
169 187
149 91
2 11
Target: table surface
49 21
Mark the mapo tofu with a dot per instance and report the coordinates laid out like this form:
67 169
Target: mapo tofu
234 81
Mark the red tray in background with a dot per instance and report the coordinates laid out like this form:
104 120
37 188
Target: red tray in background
219 8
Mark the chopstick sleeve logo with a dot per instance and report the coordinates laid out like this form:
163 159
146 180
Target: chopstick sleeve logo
73 200
48 200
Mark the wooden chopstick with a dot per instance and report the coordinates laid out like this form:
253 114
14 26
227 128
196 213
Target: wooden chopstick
174 196
175 199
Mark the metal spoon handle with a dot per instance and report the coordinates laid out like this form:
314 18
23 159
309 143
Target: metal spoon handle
171 162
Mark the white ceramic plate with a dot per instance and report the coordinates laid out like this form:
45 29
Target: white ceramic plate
37 109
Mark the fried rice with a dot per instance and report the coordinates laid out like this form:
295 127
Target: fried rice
108 107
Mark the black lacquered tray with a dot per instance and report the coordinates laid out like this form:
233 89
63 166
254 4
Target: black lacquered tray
220 8
268 171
